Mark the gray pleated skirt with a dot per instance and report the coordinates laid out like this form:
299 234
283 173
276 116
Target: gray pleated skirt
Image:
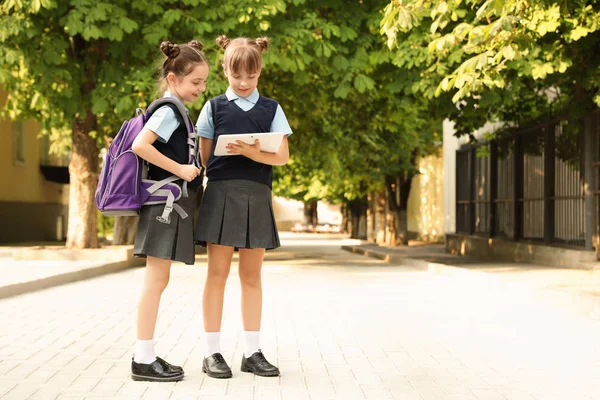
237 213
173 241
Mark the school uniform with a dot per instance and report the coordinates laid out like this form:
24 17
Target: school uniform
174 240
236 208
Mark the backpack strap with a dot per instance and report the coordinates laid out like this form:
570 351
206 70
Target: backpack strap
191 129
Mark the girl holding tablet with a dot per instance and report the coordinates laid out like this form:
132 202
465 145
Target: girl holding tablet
236 210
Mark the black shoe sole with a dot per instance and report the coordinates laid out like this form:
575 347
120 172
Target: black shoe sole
222 375
156 379
265 374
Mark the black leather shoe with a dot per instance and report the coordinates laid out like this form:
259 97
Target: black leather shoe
258 364
215 366
169 366
154 372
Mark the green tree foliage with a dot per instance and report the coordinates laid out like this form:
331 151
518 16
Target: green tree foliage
82 66
513 60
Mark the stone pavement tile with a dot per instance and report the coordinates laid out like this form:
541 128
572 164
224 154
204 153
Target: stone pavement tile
121 369
319 386
452 388
431 393
314 369
488 394
267 393
438 372
405 394
289 393
98 368
184 396
366 377
266 381
512 394
449 362
20 372
240 392
214 387
6 386
240 379
84 383
340 373
45 393
63 378
189 384
133 390
289 366
495 380
157 393
333 358
19 392
423 382
460 396
42 375
377 394
108 387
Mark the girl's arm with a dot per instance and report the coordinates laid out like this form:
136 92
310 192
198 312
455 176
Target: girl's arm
205 148
253 152
142 146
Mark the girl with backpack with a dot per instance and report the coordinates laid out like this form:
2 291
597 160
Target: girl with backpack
164 144
236 210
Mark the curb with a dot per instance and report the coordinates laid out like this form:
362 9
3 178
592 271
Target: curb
433 267
116 259
68 277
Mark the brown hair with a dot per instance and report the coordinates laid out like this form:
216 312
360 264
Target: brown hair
179 59
243 54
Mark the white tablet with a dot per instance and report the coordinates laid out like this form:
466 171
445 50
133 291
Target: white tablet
269 141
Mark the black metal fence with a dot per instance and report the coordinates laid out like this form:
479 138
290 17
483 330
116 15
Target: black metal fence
527 186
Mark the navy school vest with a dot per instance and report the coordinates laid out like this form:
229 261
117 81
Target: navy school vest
176 148
229 118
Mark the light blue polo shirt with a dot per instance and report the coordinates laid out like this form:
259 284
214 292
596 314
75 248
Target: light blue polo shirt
163 121
206 128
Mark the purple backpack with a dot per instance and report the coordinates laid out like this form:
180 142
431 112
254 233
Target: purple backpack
123 187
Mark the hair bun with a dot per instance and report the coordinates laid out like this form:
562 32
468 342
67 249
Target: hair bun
196 44
169 49
223 41
262 43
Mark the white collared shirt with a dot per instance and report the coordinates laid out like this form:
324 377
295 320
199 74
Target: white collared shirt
205 125
163 121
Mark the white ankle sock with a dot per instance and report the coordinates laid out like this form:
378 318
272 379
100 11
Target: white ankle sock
213 343
144 352
252 342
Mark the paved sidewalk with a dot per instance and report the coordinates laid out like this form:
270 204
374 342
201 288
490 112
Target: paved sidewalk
578 289
28 268
339 325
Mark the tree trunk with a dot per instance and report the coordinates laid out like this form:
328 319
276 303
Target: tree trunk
379 225
358 218
398 190
124 230
345 219
310 213
83 171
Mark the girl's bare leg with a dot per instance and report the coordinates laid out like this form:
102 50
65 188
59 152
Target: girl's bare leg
157 277
250 278
219 264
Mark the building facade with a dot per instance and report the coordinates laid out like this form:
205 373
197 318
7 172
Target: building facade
33 194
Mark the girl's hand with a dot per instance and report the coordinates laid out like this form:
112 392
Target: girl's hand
188 172
245 149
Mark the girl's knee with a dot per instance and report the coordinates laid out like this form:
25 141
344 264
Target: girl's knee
156 282
218 275
250 278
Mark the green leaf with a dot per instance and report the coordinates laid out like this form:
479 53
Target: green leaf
578 33
363 83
